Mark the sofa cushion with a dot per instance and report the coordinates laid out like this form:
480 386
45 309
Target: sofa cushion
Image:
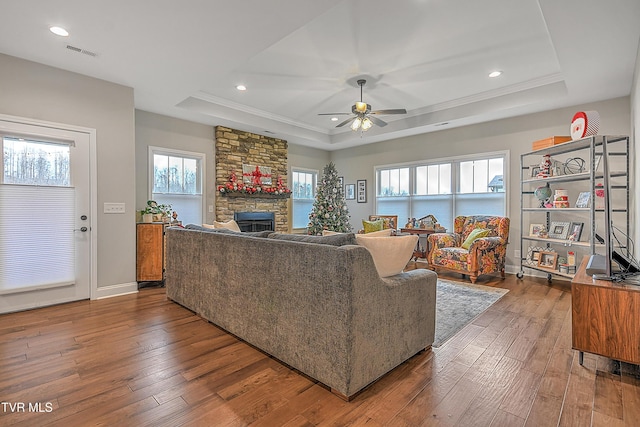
390 254
371 226
475 234
340 239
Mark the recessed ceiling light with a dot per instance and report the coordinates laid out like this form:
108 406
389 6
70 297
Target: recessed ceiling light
334 119
59 31
495 73
241 87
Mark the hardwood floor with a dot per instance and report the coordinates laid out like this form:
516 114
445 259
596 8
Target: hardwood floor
142 360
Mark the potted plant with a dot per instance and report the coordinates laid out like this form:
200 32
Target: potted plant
156 212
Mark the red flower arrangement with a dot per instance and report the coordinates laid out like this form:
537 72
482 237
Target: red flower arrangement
233 186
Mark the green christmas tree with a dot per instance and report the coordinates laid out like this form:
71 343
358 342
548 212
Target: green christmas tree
329 211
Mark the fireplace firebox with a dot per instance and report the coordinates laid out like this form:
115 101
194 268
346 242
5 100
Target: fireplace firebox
255 221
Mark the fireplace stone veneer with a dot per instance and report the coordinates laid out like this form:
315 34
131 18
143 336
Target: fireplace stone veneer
233 148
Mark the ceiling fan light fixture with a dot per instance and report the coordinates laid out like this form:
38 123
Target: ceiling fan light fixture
356 124
366 124
361 107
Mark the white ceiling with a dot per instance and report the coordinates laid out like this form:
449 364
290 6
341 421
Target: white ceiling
299 58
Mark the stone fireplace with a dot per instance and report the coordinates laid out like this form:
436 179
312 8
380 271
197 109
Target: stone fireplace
234 148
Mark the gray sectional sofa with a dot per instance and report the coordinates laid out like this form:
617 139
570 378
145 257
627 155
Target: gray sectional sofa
316 306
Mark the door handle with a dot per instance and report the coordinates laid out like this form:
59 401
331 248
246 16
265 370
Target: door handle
83 229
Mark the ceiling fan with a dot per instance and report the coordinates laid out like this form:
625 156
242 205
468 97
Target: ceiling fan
363 117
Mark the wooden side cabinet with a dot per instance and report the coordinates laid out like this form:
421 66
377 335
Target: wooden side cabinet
150 252
605 317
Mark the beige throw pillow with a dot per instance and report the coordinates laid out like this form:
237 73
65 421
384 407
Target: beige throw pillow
229 225
390 254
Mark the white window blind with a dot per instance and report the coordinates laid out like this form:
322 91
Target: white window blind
38 243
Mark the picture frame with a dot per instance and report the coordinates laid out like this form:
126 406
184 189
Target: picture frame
535 229
548 259
575 231
533 254
583 199
361 191
350 192
535 170
559 230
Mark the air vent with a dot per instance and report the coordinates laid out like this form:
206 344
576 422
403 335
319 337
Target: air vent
79 50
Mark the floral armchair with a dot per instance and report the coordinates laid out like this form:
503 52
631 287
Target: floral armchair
484 255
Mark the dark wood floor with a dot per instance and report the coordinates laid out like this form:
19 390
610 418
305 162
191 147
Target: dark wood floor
142 360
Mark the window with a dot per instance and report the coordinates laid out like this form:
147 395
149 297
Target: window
443 188
176 179
303 194
30 162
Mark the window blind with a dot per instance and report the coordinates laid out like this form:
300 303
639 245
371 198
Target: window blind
37 242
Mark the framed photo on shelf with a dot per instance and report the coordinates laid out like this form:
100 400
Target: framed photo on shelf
575 231
583 199
533 254
350 192
361 191
559 230
548 259
535 170
535 229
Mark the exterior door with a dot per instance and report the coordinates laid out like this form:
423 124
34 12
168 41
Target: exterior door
45 215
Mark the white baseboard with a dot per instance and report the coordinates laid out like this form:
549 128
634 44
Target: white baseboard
116 290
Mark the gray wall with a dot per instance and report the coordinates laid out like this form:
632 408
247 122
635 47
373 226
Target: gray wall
41 92
635 129
514 134
166 132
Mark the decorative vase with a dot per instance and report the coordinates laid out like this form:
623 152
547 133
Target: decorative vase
147 217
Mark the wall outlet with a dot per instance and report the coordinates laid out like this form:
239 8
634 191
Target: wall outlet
210 208
516 253
113 208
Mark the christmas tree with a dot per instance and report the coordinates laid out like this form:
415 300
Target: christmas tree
329 211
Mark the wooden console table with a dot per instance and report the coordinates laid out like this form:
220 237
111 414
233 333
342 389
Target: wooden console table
419 252
605 318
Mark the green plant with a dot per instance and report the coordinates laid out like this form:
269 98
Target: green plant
154 208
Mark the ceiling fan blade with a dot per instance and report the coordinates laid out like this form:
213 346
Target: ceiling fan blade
377 121
350 119
393 111
333 114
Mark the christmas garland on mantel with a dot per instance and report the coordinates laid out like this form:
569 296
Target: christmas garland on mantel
233 188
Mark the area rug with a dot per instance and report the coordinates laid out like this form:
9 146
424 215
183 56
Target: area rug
457 304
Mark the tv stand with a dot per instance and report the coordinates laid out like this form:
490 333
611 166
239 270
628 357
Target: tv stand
605 317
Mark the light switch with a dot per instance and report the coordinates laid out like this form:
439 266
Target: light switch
114 208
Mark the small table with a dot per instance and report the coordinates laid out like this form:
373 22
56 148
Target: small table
420 252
